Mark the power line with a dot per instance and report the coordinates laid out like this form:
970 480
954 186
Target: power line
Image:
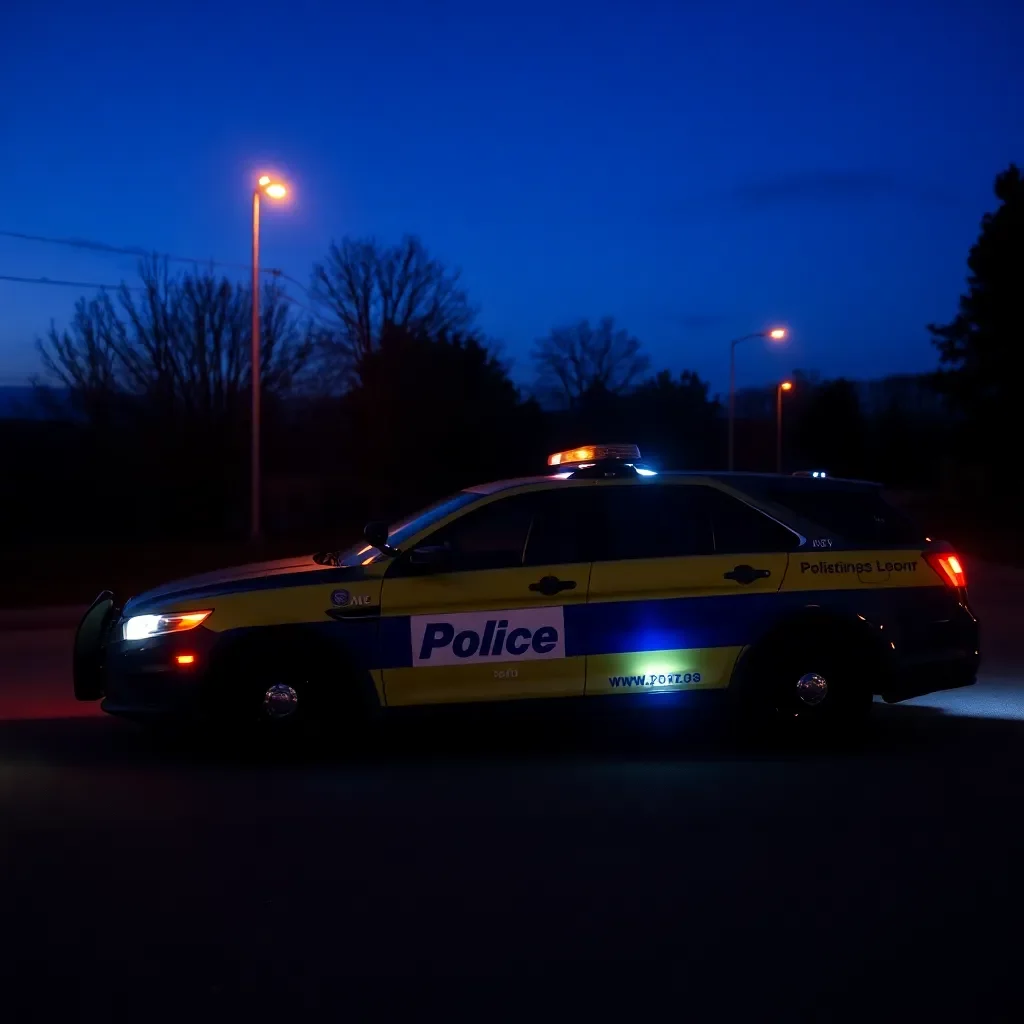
301 305
287 277
134 288
119 250
66 284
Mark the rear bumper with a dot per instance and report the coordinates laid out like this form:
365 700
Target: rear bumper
950 661
930 677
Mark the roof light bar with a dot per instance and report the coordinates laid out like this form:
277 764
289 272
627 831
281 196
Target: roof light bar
594 453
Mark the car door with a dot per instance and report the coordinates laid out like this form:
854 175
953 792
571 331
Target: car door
680 574
490 607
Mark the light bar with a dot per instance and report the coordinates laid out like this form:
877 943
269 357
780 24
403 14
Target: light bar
595 453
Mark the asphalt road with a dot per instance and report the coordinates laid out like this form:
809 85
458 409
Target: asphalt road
559 871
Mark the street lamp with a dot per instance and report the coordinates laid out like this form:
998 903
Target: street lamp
273 190
786 385
775 334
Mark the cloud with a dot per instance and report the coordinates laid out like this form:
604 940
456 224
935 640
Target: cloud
835 186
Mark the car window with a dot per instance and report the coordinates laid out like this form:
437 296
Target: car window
740 529
491 537
538 528
561 524
400 533
855 512
654 521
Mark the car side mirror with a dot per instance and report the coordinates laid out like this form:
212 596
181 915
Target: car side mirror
376 533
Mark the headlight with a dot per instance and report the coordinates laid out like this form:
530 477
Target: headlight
139 627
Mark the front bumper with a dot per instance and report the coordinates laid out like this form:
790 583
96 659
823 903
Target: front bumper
143 679
139 679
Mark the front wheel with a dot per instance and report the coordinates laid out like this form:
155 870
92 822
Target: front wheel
280 701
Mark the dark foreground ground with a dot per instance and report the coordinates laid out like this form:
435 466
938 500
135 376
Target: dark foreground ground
548 871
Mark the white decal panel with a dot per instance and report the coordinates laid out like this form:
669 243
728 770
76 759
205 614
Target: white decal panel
464 638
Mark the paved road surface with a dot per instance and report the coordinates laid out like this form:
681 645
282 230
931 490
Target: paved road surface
560 874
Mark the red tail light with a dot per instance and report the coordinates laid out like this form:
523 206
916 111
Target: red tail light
948 566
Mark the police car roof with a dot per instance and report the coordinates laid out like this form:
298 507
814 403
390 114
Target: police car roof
737 479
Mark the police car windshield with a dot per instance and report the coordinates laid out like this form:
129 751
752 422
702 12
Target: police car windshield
426 518
422 520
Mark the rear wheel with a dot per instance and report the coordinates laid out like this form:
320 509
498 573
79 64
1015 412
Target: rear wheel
808 692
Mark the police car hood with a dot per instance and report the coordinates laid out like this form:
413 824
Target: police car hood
209 584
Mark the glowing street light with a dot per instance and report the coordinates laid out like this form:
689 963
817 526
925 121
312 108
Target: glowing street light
273 190
774 334
786 385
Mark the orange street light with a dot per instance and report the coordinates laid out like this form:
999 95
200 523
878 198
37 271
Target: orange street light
775 334
273 190
786 385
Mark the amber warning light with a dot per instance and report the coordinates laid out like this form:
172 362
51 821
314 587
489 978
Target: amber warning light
594 453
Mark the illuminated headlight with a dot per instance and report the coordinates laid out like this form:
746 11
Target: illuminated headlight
140 627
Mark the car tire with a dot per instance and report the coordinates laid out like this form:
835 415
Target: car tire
809 692
273 700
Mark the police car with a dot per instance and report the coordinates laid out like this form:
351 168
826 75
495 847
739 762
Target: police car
799 598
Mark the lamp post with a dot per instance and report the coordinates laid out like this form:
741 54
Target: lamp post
273 190
785 385
775 334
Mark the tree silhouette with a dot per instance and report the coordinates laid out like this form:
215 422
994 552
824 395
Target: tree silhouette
675 420
161 385
575 360
431 414
981 351
183 349
829 429
366 289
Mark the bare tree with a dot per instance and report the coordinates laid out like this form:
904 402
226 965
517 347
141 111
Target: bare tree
579 359
183 346
366 289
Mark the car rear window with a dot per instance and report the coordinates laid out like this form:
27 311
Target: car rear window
857 513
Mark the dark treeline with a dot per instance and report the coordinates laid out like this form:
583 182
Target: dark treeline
384 393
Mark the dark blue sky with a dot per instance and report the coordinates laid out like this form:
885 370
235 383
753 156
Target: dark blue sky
696 170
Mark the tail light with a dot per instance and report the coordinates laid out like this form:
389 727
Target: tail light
949 567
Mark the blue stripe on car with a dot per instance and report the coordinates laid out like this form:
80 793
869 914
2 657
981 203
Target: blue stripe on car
731 620
624 627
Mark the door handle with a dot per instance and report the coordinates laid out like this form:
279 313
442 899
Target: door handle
551 585
746 574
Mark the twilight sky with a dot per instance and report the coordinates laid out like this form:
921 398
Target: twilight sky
697 170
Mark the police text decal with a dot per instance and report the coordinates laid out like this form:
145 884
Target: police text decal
522 634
